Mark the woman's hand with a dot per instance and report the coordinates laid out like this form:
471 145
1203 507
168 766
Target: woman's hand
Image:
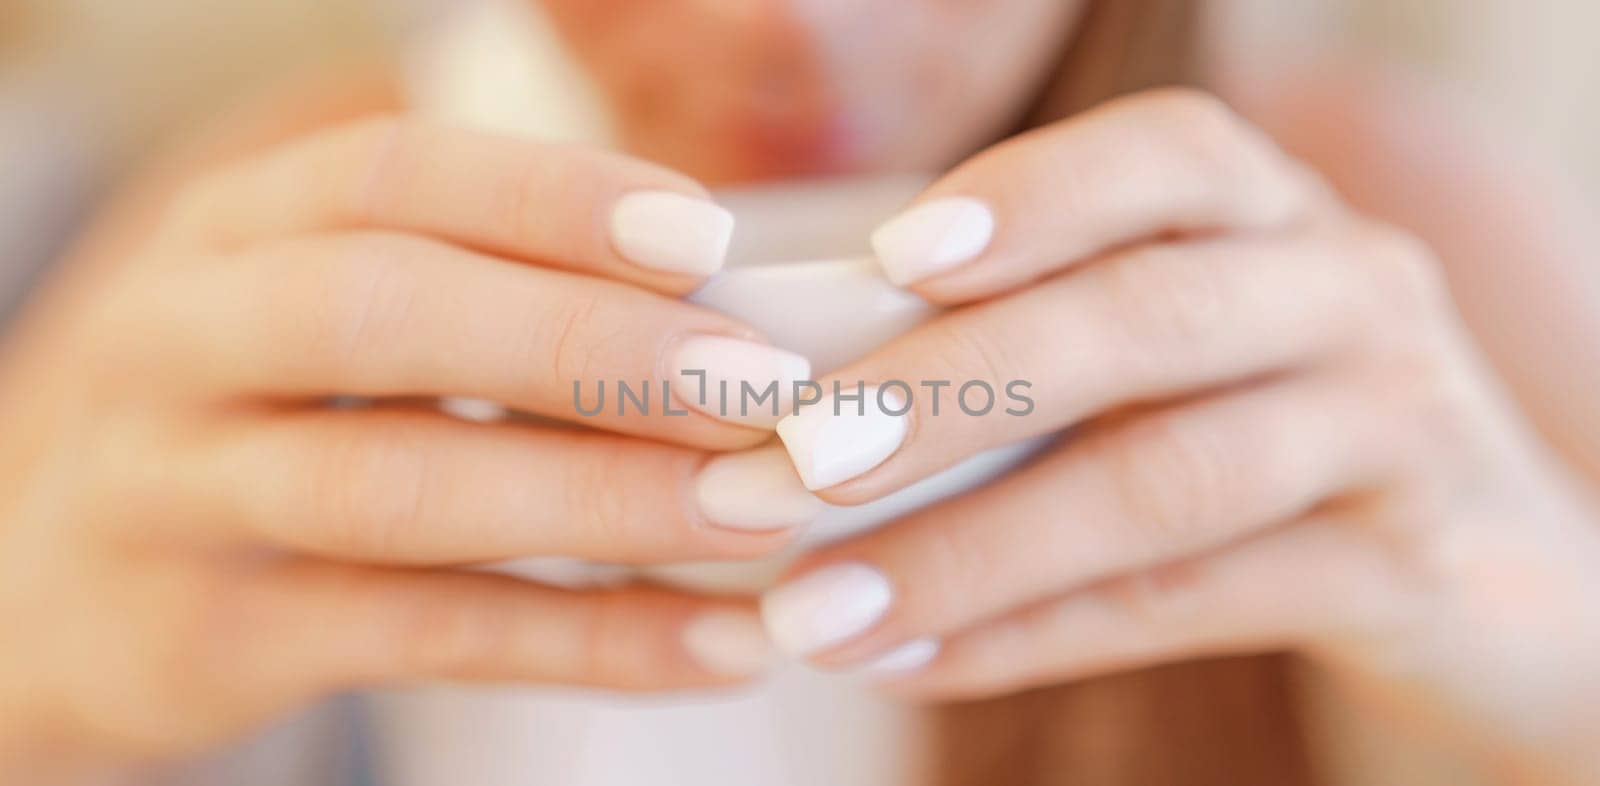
192 537
1280 437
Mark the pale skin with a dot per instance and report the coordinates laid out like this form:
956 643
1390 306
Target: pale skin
230 547
1300 426
1289 443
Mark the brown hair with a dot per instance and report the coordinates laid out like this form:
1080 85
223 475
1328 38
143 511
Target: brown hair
1223 721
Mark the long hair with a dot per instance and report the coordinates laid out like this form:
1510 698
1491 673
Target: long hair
1221 721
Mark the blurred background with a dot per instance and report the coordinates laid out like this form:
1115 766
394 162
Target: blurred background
91 88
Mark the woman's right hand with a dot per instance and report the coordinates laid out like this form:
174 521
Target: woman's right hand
192 537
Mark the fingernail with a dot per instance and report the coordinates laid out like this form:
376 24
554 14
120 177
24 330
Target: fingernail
754 490
475 410
828 449
825 607
905 658
665 230
730 643
714 370
932 237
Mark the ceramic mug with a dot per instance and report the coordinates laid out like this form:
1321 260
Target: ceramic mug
800 272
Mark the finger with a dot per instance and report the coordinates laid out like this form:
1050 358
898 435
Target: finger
564 206
1315 580
390 315
1139 168
420 487
1159 487
1146 324
338 626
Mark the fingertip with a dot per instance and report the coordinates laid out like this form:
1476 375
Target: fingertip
754 490
735 378
830 445
902 661
822 608
729 644
711 435
933 237
668 231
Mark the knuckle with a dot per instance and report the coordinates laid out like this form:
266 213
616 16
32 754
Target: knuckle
375 153
1433 404
1408 275
608 633
1171 479
1201 123
564 338
369 489
974 352
439 635
1136 599
521 195
596 498
1246 176
363 300
1194 108
963 562
1163 300
1158 597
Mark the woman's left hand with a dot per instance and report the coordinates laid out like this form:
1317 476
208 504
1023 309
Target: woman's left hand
1281 437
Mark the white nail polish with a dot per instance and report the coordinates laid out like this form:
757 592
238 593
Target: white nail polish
722 366
729 643
475 410
825 607
932 237
828 449
755 490
907 657
669 231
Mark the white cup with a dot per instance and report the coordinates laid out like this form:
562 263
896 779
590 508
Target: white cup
800 271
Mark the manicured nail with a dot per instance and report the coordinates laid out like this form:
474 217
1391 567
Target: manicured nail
829 448
825 607
932 237
475 410
905 658
736 380
729 643
755 490
668 231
